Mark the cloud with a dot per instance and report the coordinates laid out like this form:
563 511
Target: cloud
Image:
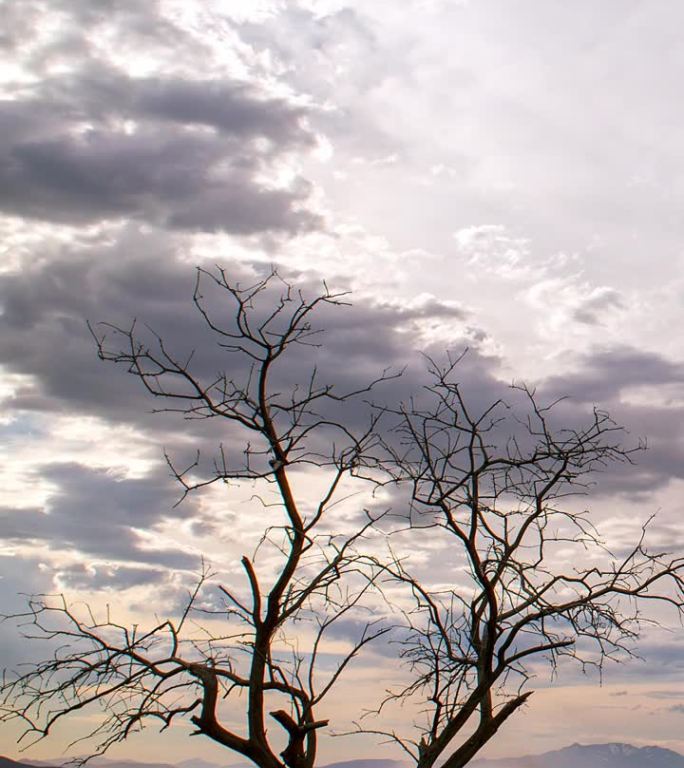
45 308
602 374
341 50
19 577
665 661
100 514
44 337
108 577
491 248
562 301
629 383
590 307
80 507
664 694
91 139
175 177
45 305
234 108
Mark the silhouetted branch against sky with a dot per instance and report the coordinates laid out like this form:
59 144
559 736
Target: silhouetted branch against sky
492 483
313 578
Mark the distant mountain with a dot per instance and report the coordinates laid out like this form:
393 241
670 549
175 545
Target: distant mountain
107 762
196 763
103 762
34 763
575 756
593 756
97 762
5 762
368 764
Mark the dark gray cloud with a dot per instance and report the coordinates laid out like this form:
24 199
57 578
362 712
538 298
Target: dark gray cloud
109 577
44 335
97 512
44 312
592 307
45 307
178 151
663 662
605 378
235 109
173 177
603 374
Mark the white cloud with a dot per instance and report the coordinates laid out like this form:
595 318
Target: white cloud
491 248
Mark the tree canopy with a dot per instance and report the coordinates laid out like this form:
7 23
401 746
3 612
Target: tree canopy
531 576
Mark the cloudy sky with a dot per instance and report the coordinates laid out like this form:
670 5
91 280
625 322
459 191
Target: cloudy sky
503 175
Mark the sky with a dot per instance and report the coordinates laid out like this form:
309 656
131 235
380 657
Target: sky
502 175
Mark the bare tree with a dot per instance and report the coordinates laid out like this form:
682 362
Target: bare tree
497 484
535 580
171 670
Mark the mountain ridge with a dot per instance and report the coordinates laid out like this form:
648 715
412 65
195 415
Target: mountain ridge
100 762
607 755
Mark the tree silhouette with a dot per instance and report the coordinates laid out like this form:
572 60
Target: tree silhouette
494 483
536 581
